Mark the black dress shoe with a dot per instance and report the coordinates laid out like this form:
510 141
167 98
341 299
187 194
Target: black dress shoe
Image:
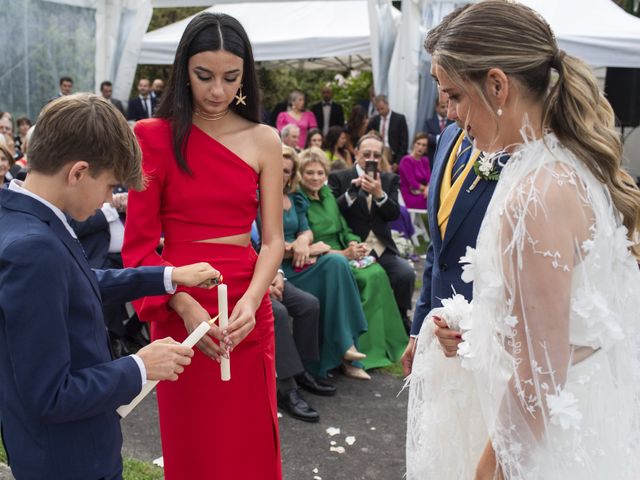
296 406
313 385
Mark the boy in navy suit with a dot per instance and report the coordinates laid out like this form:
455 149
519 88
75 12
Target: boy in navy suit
59 386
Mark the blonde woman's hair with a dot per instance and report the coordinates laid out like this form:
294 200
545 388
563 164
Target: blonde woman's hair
294 179
313 155
516 39
293 96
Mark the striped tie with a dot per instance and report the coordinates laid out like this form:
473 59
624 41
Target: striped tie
462 159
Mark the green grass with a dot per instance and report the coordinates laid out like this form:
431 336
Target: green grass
137 470
133 469
394 369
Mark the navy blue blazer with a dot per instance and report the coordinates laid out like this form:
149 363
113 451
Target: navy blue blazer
442 272
59 387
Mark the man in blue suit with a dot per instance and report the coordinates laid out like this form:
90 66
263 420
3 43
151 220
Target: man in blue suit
442 273
59 387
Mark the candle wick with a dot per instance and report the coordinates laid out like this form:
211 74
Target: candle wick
213 320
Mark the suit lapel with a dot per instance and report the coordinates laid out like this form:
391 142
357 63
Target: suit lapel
447 141
463 204
75 248
31 206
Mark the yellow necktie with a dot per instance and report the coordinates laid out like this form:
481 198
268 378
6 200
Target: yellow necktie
449 192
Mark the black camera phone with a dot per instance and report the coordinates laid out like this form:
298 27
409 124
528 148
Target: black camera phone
371 168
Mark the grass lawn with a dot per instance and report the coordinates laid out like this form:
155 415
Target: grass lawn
133 469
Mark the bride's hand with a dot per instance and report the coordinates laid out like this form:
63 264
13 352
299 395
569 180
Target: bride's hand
449 339
488 468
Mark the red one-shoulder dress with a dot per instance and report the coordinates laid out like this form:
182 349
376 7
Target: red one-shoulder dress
210 429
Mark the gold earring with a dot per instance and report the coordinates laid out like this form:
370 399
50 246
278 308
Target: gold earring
240 99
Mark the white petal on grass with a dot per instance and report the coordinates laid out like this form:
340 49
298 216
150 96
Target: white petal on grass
159 462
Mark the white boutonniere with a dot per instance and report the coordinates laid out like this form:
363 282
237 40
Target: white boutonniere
486 168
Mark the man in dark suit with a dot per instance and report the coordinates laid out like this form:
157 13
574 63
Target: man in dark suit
59 387
328 113
144 104
368 202
106 89
435 125
66 88
450 239
392 127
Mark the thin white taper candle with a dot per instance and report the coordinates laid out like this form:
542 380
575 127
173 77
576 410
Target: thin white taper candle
193 338
223 322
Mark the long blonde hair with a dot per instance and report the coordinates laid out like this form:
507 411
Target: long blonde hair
294 180
510 36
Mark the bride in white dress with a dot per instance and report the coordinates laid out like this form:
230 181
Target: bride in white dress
546 381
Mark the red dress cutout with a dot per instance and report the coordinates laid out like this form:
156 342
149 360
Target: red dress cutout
210 429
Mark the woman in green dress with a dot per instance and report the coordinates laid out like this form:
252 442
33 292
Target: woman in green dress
385 340
327 276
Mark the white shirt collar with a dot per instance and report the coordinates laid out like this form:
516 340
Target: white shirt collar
16 186
359 170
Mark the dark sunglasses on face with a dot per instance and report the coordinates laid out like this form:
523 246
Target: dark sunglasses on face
368 154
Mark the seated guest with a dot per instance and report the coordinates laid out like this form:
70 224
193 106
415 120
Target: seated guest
304 309
292 350
368 201
415 174
290 136
328 277
385 339
314 138
297 115
357 124
24 124
6 161
336 147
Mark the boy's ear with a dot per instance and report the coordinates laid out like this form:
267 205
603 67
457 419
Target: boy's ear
77 172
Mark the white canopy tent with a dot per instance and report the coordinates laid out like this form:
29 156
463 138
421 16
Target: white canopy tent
298 32
597 31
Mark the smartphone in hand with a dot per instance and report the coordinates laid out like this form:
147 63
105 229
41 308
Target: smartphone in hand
371 168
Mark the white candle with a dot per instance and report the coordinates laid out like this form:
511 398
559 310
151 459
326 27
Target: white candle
223 319
190 341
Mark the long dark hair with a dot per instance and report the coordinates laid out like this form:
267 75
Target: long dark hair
354 125
331 140
206 32
310 134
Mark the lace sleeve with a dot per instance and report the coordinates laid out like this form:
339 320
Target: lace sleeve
546 219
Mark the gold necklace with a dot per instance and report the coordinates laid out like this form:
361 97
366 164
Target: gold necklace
212 118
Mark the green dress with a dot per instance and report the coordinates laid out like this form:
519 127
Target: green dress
385 339
330 280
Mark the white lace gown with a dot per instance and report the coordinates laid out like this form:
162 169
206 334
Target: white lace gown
549 367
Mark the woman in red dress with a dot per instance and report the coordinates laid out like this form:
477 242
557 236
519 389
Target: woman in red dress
209 165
